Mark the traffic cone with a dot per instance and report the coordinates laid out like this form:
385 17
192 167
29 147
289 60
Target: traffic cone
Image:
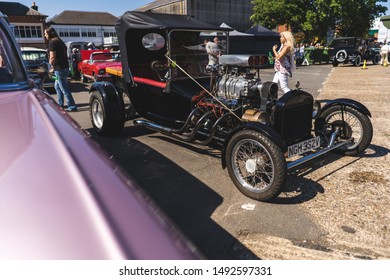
385 62
364 65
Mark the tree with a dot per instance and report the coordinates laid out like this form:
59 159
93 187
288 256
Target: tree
317 17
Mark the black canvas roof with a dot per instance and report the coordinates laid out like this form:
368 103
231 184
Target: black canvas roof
148 20
131 24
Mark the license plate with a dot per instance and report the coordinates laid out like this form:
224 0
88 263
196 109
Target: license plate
303 146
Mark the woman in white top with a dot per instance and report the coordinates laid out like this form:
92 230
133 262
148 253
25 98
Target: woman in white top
284 60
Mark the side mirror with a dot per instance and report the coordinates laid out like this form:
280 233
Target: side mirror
43 68
37 82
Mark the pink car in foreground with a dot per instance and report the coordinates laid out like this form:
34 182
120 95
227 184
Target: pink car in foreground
60 196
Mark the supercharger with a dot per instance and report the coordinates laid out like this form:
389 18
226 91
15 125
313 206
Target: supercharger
238 80
236 87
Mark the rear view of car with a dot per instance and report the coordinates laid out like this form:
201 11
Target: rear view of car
37 64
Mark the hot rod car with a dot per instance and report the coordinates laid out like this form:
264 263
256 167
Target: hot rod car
165 81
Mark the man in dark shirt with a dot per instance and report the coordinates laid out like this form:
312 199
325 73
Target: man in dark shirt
60 65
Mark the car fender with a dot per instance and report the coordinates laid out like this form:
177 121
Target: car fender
113 101
259 127
347 102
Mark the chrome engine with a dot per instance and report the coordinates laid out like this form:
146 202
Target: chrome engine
239 80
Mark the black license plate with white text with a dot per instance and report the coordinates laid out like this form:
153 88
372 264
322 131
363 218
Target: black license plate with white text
303 146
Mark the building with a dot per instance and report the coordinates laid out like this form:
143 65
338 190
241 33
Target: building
27 23
380 29
235 13
78 26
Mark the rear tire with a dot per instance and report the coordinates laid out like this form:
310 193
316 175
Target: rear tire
99 119
256 165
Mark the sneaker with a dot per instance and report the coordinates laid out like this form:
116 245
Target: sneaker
72 109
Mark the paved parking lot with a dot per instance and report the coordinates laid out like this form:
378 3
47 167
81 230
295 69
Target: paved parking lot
189 185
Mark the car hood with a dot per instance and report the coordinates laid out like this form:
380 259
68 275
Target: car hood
62 198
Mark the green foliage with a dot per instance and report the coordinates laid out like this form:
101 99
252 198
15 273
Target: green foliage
316 18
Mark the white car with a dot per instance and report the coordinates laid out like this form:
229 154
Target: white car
37 64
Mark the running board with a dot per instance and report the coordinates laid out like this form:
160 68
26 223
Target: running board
315 155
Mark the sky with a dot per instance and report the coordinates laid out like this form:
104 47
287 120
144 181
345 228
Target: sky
55 7
115 7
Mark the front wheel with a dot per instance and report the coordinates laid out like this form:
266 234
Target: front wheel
83 78
358 60
256 165
351 124
99 118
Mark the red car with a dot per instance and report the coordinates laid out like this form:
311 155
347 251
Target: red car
94 66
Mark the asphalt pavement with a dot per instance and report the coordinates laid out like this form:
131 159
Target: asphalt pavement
189 185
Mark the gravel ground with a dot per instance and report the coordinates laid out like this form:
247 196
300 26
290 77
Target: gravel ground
349 197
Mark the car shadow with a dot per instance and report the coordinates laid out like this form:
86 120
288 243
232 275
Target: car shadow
299 189
187 201
211 150
77 86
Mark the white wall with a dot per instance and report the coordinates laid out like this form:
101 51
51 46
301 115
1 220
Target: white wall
383 32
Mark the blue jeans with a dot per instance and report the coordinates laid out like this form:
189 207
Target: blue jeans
62 88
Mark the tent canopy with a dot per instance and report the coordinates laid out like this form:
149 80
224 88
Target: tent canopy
234 32
259 30
386 21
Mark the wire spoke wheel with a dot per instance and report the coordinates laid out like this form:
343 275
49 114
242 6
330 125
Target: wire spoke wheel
256 165
252 165
351 124
348 125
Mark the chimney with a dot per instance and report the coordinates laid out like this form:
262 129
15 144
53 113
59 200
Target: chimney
34 7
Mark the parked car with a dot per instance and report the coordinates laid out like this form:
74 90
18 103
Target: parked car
37 64
261 134
94 68
69 47
352 50
61 197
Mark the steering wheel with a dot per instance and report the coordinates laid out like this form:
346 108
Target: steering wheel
161 68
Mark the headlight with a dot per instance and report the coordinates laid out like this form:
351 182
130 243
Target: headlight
316 109
102 71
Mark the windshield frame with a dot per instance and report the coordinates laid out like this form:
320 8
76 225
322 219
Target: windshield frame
12 59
